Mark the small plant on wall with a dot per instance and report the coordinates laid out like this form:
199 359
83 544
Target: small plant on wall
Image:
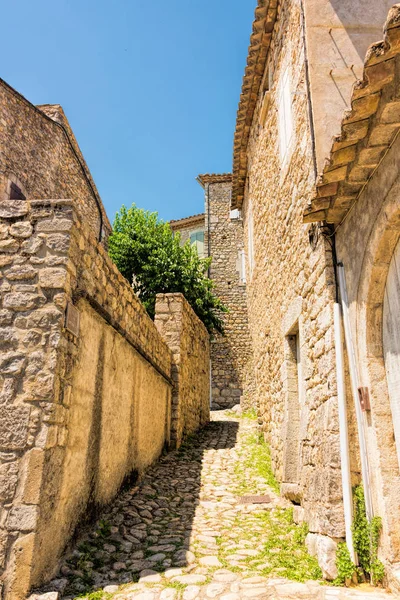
366 540
152 258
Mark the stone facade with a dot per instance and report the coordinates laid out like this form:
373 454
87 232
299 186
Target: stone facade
280 140
223 237
188 340
83 406
363 206
39 153
290 293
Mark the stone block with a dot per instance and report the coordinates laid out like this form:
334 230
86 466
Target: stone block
19 573
8 480
4 228
54 225
52 278
11 210
13 426
9 245
22 518
22 229
8 337
324 549
32 246
31 469
23 301
3 546
58 242
19 272
12 363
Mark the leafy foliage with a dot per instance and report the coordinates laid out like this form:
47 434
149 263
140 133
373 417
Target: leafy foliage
344 564
151 257
366 538
361 529
366 541
377 567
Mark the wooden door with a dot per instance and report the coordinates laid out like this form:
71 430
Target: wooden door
391 340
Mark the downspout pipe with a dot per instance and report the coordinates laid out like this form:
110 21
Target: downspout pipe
354 379
342 406
343 433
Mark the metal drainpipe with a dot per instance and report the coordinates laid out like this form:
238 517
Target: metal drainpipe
355 384
308 86
342 407
340 282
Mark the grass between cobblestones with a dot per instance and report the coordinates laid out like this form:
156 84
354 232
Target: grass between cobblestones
276 543
256 458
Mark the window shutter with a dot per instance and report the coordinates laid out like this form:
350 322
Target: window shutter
250 247
16 193
285 116
242 266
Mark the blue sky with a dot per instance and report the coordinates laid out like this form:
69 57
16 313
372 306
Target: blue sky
150 88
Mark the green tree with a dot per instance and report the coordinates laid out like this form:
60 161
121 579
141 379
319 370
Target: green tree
151 257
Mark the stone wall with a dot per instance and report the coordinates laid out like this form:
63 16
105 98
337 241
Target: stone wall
365 245
290 294
85 402
231 352
38 152
223 240
188 340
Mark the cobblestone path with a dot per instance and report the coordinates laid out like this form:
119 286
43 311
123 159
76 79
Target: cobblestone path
182 534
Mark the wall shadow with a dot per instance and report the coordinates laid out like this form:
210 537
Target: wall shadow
147 526
362 20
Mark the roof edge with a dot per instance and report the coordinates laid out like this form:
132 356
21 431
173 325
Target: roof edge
214 178
368 131
187 220
260 39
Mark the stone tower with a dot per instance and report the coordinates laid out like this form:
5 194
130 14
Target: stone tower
223 240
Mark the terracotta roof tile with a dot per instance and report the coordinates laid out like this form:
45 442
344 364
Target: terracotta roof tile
187 220
263 25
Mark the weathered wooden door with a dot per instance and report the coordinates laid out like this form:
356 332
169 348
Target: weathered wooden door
391 340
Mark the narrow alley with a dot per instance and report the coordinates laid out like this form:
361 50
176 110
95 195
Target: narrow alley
189 530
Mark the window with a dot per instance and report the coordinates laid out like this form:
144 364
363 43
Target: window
197 240
16 192
250 243
285 117
293 385
234 214
266 97
242 266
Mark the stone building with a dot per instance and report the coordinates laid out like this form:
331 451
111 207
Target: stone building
219 233
40 158
305 68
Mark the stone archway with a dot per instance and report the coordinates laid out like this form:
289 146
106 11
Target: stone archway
391 341
379 250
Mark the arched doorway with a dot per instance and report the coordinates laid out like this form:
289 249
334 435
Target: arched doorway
391 341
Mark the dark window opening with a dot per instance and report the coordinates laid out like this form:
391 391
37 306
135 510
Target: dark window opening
16 193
